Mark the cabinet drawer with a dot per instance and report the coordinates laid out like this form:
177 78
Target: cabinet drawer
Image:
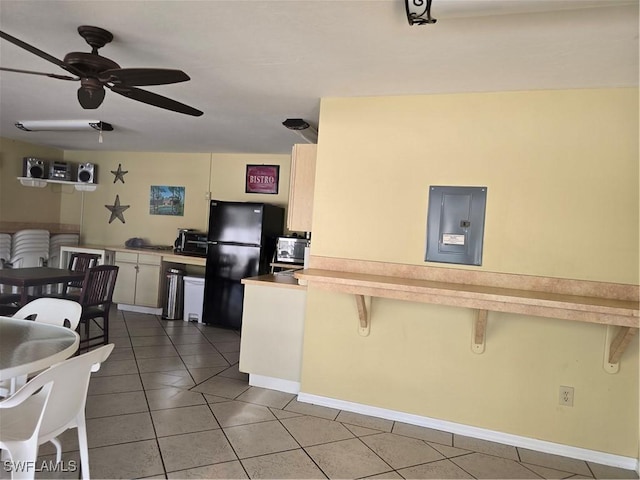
149 259
126 257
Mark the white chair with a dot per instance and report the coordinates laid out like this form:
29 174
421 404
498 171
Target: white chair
49 404
5 248
53 311
30 248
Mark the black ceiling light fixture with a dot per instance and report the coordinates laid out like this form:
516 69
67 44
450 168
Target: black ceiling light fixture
419 12
302 128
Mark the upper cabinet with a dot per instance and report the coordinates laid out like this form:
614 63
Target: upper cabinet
303 175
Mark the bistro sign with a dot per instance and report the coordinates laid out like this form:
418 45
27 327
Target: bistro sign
262 179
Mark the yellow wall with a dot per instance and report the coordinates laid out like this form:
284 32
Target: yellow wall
561 168
43 204
199 173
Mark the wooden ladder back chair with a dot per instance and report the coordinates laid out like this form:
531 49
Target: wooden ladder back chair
80 262
96 298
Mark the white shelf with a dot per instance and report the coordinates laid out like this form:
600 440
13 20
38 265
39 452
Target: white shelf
41 183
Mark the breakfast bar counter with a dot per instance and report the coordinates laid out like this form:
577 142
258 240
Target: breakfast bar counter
282 280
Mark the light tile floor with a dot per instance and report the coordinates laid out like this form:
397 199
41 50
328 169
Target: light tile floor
171 403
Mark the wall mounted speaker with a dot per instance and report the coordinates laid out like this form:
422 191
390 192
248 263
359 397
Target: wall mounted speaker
34 168
87 173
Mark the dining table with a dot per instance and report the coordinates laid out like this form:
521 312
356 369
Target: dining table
24 278
27 346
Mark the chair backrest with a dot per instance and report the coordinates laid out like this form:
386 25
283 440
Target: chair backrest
81 262
68 383
98 285
53 311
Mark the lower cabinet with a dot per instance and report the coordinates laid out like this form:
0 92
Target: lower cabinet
272 333
138 280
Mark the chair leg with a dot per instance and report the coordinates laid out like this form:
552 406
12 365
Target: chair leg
105 321
58 446
23 459
83 445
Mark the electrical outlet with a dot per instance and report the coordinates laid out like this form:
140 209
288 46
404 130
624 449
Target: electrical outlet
566 396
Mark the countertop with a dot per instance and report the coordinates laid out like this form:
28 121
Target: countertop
274 280
167 254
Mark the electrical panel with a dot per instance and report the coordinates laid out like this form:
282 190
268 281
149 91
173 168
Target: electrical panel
455 224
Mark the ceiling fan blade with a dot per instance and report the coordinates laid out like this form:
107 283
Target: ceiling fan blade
143 76
155 100
51 75
90 97
40 53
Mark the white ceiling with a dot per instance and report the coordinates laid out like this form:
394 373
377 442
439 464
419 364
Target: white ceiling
255 63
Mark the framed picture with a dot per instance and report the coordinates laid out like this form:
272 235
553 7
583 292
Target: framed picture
165 200
262 179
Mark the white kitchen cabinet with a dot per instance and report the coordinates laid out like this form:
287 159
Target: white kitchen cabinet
138 280
303 176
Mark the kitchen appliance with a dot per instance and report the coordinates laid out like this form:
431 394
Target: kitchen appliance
291 250
191 242
241 242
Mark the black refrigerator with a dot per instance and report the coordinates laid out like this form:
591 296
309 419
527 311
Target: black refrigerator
240 243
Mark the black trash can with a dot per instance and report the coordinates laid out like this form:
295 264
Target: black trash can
174 298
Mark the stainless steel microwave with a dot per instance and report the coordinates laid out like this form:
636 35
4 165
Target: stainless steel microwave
291 250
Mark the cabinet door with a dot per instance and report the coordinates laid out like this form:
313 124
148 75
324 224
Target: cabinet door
125 289
147 285
303 175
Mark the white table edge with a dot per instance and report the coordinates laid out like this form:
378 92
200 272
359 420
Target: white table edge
44 363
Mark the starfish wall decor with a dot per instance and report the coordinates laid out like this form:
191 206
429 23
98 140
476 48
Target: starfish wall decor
119 173
116 210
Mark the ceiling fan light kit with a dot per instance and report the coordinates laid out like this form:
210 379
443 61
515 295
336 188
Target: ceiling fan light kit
419 12
63 125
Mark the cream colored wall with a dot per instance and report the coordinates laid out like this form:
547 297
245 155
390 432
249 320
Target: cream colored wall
42 204
561 168
199 173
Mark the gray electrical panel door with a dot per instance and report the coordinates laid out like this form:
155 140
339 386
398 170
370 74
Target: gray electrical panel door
455 224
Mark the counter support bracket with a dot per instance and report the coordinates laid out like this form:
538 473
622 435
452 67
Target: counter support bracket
364 315
616 341
479 331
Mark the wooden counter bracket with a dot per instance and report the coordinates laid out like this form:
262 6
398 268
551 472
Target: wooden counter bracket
364 315
547 297
615 345
479 331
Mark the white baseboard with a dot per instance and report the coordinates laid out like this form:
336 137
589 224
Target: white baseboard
139 309
272 383
627 463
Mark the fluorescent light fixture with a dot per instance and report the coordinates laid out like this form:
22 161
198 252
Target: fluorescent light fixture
302 128
63 125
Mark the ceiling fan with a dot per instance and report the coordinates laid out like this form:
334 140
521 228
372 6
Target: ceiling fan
96 72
